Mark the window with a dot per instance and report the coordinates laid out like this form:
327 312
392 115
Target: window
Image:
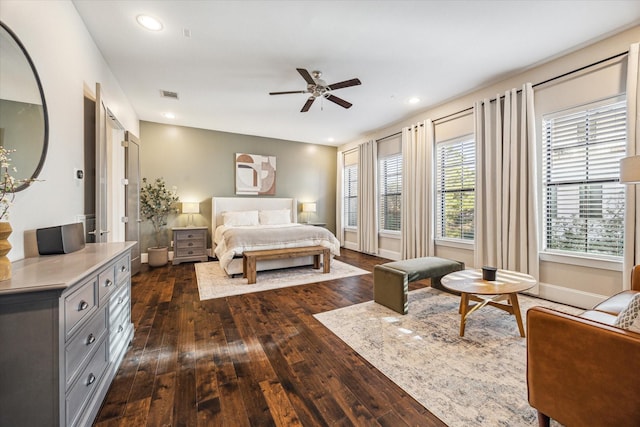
390 188
455 189
351 195
583 200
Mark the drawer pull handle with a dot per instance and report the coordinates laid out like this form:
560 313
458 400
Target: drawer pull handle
190 243
190 235
120 328
190 252
91 339
91 379
123 268
108 283
83 305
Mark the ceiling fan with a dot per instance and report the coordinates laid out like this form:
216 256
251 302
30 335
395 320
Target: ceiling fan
319 88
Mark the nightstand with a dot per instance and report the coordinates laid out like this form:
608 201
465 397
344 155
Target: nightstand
189 244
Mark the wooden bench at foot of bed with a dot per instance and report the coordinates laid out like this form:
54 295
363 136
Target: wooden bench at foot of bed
250 258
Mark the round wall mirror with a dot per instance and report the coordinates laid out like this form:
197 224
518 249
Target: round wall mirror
24 125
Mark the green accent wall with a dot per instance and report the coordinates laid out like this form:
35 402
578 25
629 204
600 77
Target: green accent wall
201 164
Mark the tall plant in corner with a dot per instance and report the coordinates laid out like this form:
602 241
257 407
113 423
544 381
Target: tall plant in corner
156 203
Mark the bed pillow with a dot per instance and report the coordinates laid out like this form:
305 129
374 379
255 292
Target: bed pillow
275 217
629 318
240 218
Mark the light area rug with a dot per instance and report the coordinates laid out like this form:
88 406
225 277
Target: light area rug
213 282
475 380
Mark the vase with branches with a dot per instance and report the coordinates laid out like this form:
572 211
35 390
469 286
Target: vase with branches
156 203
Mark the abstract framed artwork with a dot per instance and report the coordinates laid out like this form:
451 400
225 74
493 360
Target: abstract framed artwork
255 174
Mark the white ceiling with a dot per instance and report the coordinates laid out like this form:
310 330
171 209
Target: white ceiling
239 51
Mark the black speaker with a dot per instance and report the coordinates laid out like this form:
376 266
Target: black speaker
61 239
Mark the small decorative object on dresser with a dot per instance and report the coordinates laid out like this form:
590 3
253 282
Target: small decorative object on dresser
189 244
156 203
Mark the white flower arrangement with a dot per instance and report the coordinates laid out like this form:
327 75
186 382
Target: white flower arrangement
7 183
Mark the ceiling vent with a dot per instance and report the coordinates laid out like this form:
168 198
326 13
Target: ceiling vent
168 94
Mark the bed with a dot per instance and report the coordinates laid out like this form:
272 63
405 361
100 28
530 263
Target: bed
255 223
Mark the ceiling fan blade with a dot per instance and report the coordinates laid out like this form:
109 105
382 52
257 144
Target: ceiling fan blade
286 93
341 102
346 83
306 76
307 104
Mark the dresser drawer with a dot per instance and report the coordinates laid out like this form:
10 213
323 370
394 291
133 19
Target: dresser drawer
118 302
122 268
83 343
79 304
89 380
106 282
119 332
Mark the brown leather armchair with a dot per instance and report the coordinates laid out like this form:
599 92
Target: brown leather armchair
581 370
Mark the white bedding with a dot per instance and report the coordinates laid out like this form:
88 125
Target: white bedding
225 253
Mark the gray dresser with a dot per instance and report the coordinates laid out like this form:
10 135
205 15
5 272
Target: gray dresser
65 325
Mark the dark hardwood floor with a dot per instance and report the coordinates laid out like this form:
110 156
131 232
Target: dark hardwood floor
258 359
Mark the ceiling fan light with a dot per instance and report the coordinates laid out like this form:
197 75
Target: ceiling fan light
149 22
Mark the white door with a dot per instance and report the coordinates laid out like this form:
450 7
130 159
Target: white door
110 174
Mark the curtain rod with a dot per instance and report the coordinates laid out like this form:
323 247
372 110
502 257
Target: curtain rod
577 70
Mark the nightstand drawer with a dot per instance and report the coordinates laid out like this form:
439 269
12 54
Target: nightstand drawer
190 252
191 234
190 244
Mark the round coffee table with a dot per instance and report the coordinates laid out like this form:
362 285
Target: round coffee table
471 286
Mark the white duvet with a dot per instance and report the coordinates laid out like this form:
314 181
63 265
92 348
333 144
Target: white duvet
288 236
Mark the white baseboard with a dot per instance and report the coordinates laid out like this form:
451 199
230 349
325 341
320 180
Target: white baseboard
569 296
351 245
392 255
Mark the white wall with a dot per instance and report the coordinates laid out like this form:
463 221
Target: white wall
579 285
69 65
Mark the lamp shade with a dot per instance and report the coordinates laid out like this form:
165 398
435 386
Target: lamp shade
630 170
308 207
190 207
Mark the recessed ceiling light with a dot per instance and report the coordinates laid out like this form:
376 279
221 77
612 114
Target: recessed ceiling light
414 100
149 22
330 139
169 115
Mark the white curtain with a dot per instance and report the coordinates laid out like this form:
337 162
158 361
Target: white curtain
506 223
417 191
632 200
367 197
340 197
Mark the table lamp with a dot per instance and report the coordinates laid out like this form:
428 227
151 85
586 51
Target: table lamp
190 208
308 208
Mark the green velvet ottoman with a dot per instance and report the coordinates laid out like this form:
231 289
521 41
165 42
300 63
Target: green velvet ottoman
391 280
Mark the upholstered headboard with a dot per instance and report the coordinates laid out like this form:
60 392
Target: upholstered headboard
227 204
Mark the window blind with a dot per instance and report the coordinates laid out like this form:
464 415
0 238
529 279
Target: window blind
390 188
583 199
455 189
351 195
